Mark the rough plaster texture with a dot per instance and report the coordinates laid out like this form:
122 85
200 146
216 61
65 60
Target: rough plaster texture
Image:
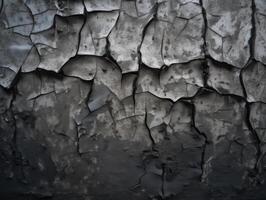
132 99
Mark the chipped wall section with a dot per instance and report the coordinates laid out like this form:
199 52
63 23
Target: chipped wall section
132 99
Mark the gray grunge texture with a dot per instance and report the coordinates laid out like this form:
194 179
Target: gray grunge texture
132 99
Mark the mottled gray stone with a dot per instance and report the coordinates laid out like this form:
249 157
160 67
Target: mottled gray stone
94 32
155 109
260 39
125 40
43 21
184 39
106 122
258 118
68 7
145 7
119 108
83 67
7 77
122 110
133 129
32 61
254 79
103 5
58 44
130 124
17 17
99 97
107 79
229 30
174 82
129 8
179 126
39 6
44 12
96 123
224 79
260 31
30 87
13 52
170 9
126 120
151 48
221 116
128 84
101 23
109 75
189 1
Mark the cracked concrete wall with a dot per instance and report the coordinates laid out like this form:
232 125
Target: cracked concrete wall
132 99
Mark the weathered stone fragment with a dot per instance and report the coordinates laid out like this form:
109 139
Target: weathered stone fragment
58 44
180 126
103 5
224 79
107 79
117 119
101 23
32 61
83 67
14 49
174 82
129 8
145 7
184 39
110 75
151 48
94 32
260 31
221 116
39 6
44 12
229 30
254 79
257 119
68 7
16 16
170 9
154 108
43 21
125 40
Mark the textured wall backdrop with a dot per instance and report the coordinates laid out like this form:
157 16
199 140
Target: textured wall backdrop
132 99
